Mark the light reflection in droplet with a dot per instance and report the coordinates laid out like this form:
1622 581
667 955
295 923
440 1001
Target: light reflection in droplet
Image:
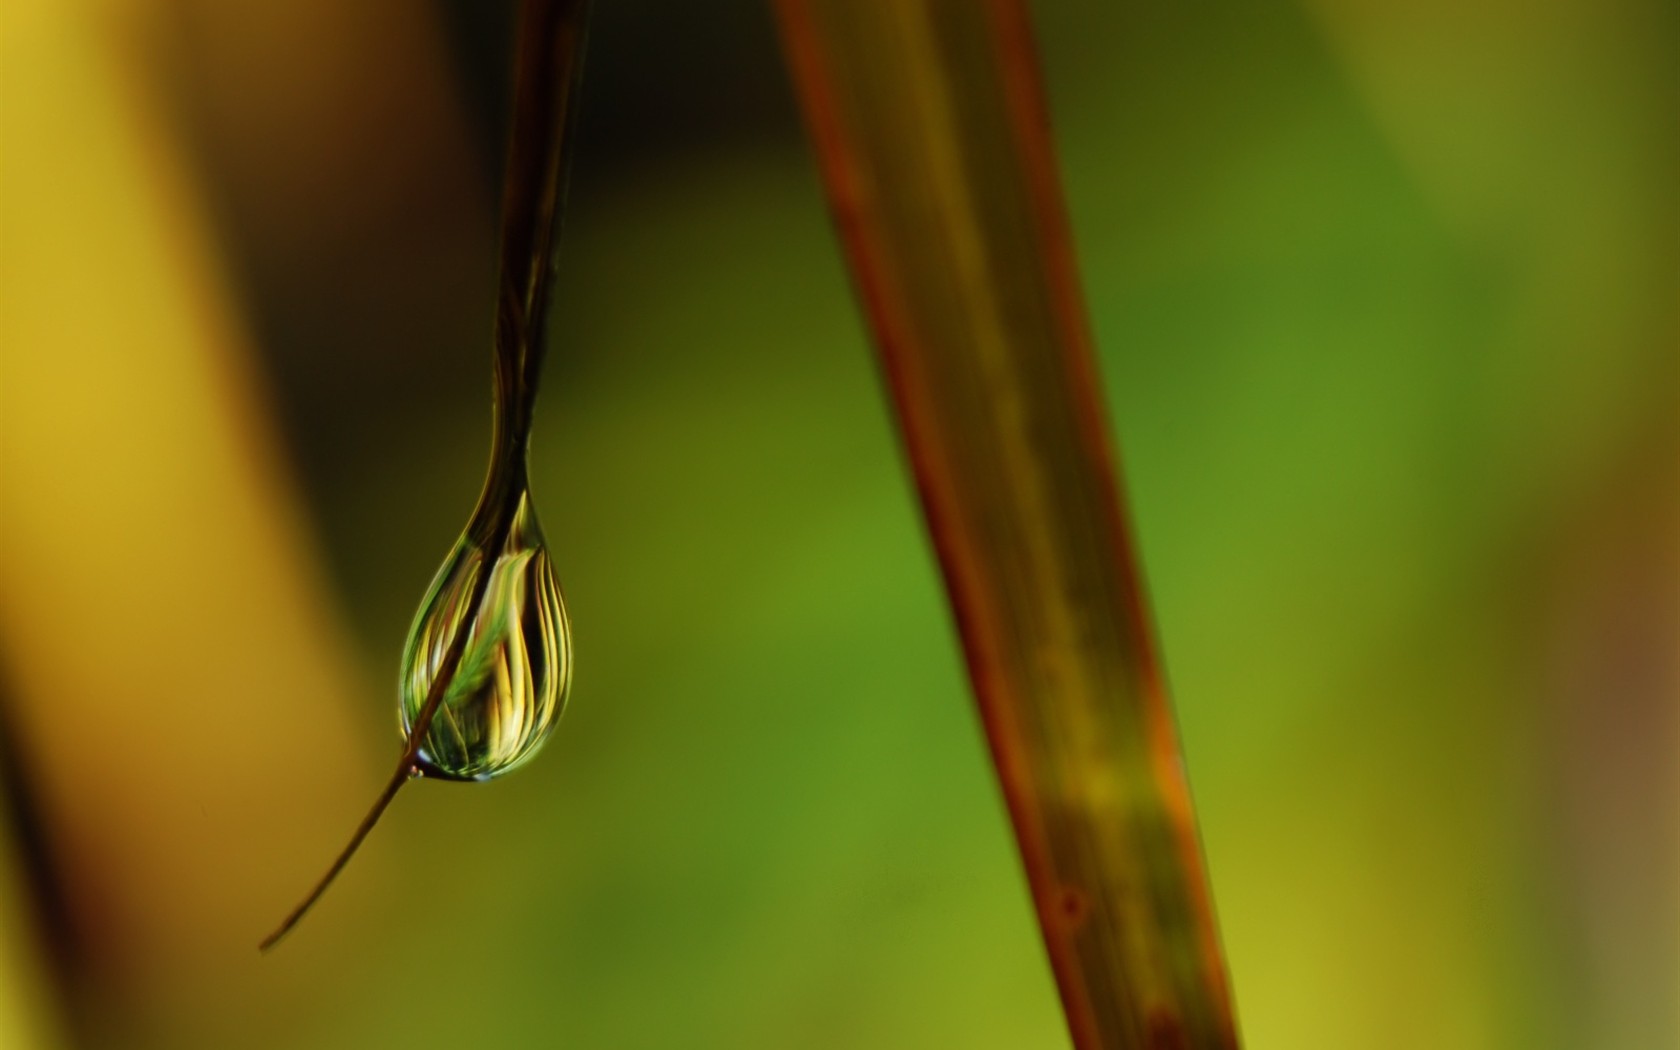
510 686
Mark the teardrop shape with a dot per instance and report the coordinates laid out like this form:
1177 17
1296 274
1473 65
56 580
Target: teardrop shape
510 685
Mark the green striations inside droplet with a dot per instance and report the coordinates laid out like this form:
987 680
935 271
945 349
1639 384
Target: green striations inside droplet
510 685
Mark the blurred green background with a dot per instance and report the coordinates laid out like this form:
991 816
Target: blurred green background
1387 302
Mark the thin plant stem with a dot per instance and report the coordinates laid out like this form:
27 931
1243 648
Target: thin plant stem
548 68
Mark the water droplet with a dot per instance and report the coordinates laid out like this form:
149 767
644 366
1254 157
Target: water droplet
510 685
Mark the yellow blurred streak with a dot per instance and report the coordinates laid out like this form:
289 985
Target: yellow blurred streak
168 639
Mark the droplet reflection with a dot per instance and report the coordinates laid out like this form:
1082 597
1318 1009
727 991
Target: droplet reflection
510 686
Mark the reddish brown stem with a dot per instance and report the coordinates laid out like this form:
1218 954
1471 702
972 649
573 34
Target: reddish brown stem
929 125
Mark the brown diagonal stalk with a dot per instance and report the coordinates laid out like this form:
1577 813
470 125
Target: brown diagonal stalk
550 59
929 125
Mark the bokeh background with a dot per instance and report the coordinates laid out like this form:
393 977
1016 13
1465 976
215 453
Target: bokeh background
1387 302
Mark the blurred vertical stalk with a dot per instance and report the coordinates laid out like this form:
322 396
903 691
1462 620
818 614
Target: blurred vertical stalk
929 124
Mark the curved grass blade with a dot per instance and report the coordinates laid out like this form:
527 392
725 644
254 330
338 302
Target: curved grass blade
548 68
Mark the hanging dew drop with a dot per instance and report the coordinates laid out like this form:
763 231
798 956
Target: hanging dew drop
509 687
488 661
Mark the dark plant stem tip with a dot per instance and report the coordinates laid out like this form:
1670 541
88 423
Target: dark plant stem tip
547 67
